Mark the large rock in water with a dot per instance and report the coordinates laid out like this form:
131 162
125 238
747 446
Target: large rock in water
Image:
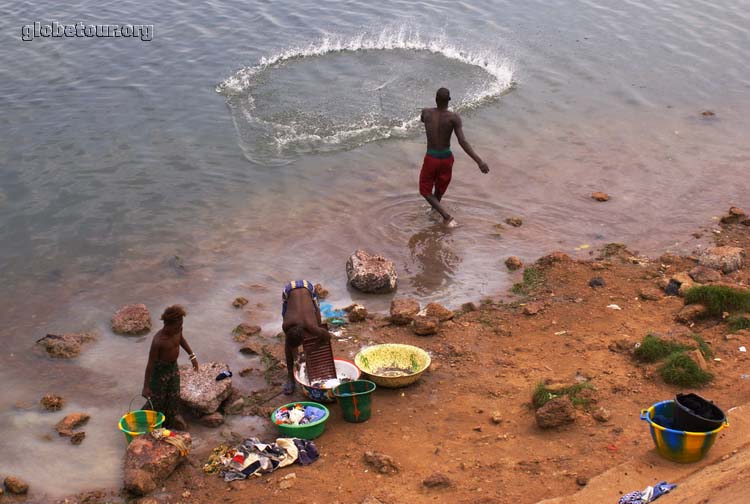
148 462
200 391
371 273
403 310
65 346
132 319
67 425
726 259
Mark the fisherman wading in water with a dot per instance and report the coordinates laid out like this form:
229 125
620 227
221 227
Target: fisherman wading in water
439 124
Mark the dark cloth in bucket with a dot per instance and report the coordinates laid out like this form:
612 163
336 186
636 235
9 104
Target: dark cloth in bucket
695 414
165 390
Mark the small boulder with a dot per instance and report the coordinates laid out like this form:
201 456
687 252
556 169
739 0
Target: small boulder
149 462
437 480
726 259
132 320
650 293
734 216
600 196
67 425
496 417
532 308
554 258
243 331
403 310
213 420
52 402
704 275
557 412
691 313
382 463
77 438
601 414
357 313
65 346
468 307
513 263
239 302
200 391
371 273
514 221
438 311
16 485
424 325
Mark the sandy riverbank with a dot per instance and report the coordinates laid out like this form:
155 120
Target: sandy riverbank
487 361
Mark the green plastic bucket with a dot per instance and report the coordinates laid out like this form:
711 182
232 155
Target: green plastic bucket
355 399
306 431
135 423
139 422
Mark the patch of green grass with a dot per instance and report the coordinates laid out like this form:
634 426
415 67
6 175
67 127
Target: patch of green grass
533 279
679 369
653 348
738 322
719 299
703 346
542 395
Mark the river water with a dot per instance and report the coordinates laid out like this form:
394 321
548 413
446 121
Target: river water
249 143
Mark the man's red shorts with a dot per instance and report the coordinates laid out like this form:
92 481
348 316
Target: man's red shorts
436 172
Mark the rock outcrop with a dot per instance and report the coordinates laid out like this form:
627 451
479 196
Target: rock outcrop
726 259
132 320
67 425
65 346
199 390
149 462
371 273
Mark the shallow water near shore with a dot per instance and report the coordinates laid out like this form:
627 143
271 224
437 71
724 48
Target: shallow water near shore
252 143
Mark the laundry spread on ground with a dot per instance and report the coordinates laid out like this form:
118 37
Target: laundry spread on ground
253 458
298 415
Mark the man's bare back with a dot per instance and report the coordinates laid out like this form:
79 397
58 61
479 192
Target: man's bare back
440 124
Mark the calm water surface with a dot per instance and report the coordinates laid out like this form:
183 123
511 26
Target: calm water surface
253 142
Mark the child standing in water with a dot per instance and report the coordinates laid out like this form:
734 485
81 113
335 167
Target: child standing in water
161 383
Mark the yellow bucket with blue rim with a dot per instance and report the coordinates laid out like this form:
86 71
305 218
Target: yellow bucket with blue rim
676 445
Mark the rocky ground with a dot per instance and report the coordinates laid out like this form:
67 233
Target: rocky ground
467 432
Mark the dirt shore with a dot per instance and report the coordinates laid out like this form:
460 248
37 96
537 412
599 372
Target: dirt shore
470 417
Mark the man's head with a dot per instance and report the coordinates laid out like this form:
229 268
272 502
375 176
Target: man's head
173 316
442 97
295 335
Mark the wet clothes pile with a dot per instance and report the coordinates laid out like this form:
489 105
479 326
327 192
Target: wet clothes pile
170 437
253 458
299 415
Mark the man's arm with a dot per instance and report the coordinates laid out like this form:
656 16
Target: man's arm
152 356
458 128
184 344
